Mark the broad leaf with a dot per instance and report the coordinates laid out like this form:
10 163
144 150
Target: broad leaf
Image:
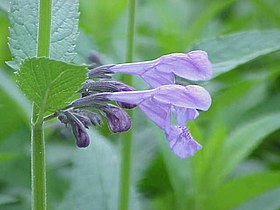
229 51
24 19
48 83
239 190
95 177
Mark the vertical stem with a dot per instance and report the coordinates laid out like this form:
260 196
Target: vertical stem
38 166
38 159
127 141
44 28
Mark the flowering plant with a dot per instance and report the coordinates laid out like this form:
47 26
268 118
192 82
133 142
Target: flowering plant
158 103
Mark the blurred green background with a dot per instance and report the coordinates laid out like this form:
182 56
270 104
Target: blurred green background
239 165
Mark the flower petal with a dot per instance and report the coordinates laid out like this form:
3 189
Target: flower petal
184 115
191 96
117 119
181 142
158 112
194 66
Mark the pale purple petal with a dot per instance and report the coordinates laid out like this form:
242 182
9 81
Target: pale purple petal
181 142
158 112
183 115
194 66
192 96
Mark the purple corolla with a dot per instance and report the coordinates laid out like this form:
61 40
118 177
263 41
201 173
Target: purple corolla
194 66
158 104
166 98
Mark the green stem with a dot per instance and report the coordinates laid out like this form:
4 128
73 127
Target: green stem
38 165
38 159
44 28
127 141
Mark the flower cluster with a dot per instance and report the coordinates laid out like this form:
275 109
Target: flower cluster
158 103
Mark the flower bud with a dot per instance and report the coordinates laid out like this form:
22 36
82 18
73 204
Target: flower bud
78 129
100 72
117 119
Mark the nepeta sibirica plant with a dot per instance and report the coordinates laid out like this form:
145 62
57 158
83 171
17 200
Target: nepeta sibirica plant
158 103
139 126
48 78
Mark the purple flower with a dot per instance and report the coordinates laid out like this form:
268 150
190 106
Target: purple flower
117 119
78 128
158 104
162 71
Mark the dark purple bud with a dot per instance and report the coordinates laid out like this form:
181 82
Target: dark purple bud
124 87
92 117
84 119
101 72
94 57
63 119
78 128
82 138
93 101
117 119
93 87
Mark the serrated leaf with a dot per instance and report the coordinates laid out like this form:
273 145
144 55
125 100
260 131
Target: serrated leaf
237 191
48 83
24 19
24 23
229 51
64 29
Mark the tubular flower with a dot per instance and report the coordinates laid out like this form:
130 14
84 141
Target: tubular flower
193 66
158 104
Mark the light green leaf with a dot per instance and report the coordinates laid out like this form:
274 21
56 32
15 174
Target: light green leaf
95 177
64 29
24 19
48 83
24 23
239 190
229 51
9 86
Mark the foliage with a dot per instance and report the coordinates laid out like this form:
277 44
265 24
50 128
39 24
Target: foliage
238 167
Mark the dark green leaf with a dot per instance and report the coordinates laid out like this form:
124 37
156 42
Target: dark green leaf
48 83
242 189
229 51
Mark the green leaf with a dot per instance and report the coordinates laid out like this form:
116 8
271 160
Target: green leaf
64 29
246 138
229 51
24 19
95 177
239 190
9 87
7 199
268 201
48 83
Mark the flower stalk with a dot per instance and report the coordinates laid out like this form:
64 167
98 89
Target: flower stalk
127 141
38 159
